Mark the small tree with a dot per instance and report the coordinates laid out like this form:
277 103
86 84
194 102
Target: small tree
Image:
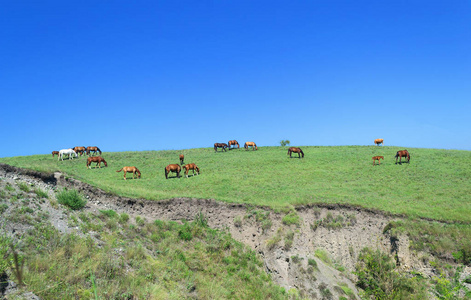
284 143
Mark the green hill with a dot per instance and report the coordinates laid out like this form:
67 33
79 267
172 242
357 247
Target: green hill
435 184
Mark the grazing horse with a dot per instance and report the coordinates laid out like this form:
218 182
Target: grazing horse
296 150
93 149
98 160
55 152
250 144
233 143
379 141
181 159
80 150
132 170
67 152
193 167
377 158
402 153
175 168
220 145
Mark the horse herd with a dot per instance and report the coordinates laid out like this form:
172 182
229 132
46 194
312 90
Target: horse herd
177 168
232 144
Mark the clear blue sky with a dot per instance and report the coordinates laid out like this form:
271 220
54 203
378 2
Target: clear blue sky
152 75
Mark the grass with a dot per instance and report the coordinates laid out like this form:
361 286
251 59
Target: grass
154 261
436 184
71 198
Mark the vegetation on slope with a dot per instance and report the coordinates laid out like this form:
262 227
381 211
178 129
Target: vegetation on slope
436 184
109 256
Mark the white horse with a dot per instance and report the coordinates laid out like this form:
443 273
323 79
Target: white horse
68 152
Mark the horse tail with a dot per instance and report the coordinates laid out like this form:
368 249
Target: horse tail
120 170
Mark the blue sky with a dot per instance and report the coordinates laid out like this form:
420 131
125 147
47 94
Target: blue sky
152 75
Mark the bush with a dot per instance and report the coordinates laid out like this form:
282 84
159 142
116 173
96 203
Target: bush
41 194
71 199
284 143
378 277
109 213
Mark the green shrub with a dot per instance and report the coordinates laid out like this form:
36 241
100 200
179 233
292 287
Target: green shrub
185 232
312 262
72 199
123 218
291 218
3 207
323 255
378 277
24 187
109 213
41 194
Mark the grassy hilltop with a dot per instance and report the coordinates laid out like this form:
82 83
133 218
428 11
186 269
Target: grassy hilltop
436 184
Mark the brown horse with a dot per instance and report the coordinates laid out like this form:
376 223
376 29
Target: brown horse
181 159
189 167
250 144
93 149
379 141
80 150
220 145
233 143
377 158
98 160
55 152
402 153
132 170
175 168
296 150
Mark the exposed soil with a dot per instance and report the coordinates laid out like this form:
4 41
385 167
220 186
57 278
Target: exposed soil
288 264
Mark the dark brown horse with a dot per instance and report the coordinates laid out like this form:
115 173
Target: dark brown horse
175 168
377 158
220 145
379 141
401 154
233 143
97 159
181 159
55 152
296 150
93 149
250 144
80 150
193 167
132 170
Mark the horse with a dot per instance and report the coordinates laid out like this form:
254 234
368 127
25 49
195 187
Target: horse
132 170
220 145
250 144
377 158
80 150
379 141
402 153
55 152
93 149
175 168
295 150
233 143
181 159
67 152
193 167
98 160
